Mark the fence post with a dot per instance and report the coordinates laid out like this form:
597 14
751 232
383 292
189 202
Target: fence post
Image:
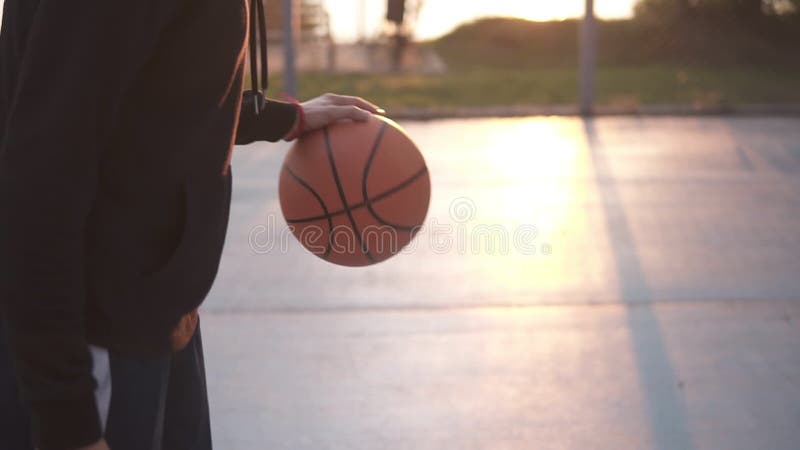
289 68
588 59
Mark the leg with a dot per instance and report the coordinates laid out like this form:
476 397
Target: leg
138 395
15 428
186 423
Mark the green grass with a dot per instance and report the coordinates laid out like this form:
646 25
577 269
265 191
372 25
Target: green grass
707 86
496 62
618 86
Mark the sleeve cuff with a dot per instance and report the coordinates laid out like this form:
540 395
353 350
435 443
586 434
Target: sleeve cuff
64 425
272 123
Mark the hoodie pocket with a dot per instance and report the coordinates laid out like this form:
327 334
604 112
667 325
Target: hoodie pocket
186 277
178 263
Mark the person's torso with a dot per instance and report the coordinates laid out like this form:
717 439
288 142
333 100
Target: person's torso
156 231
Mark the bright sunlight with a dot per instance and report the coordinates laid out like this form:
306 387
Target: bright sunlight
440 16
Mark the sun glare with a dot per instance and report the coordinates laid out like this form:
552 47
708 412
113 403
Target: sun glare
531 219
540 11
544 10
438 17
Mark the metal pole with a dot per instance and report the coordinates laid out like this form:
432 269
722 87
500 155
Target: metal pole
588 59
289 68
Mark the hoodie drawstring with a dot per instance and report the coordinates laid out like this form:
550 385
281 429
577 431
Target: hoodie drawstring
258 40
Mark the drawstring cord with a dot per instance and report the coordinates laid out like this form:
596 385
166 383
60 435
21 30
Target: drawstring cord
258 38
258 41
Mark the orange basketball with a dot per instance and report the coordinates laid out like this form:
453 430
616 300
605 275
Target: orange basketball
356 193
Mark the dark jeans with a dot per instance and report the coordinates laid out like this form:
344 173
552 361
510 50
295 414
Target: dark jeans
156 404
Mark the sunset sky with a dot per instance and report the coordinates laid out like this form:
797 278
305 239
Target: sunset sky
440 16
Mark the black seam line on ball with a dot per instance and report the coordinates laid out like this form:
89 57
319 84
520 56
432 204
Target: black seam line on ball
321 203
383 195
364 178
329 149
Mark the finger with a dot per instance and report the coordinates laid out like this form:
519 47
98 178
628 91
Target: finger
347 100
349 112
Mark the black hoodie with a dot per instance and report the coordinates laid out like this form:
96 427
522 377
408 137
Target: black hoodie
117 120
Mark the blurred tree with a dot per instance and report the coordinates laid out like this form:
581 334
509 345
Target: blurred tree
661 10
314 20
668 10
310 18
783 7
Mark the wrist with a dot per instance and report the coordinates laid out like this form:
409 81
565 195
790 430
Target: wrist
299 126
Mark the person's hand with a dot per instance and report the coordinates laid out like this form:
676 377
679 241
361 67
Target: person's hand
331 108
182 334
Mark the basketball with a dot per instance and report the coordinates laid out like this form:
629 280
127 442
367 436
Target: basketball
355 194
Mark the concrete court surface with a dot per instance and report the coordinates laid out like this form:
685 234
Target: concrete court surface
616 283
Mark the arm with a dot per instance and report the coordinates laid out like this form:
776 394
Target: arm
80 58
278 120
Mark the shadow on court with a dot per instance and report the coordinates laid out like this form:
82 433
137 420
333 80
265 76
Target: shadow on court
659 311
657 379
